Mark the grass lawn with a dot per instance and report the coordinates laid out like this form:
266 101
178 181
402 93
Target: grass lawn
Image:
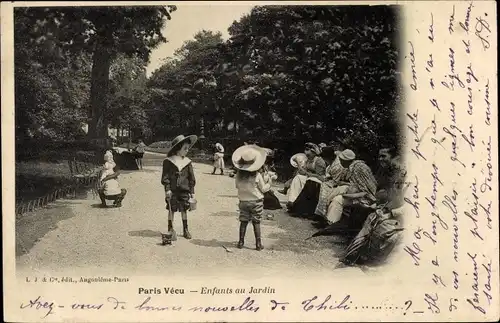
36 178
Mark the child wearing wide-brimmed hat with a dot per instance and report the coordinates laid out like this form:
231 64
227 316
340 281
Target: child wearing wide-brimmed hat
219 159
179 181
248 160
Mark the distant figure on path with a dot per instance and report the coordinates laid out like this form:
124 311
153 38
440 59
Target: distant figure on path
179 181
251 187
219 159
139 153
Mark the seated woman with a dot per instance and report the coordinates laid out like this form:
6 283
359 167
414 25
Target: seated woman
336 176
308 195
381 230
361 189
295 161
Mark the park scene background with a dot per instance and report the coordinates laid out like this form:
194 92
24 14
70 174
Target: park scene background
280 76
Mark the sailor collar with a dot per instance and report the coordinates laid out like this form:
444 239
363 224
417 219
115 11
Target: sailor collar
180 163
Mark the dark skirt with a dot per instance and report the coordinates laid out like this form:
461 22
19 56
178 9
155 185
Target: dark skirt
271 202
351 222
306 202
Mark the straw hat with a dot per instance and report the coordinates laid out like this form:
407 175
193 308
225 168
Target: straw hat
249 158
219 147
347 155
266 150
179 140
297 159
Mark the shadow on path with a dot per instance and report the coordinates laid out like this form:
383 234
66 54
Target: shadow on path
294 231
145 233
225 213
31 227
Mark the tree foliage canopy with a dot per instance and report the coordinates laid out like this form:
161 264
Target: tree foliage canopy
304 72
291 73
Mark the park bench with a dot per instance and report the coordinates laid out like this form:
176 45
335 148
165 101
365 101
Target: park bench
84 174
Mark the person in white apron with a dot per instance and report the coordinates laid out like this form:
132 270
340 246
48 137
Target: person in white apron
219 159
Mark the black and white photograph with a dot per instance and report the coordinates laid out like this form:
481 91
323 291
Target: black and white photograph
276 130
248 141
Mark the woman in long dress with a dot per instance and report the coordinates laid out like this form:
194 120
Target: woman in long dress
360 191
336 176
314 170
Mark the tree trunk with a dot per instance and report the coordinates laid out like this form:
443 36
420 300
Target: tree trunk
98 92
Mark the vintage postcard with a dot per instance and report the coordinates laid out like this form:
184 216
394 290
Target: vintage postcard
250 161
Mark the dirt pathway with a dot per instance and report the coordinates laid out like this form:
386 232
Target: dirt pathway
77 236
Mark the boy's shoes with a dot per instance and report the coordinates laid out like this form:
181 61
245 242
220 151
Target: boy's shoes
258 245
187 235
240 244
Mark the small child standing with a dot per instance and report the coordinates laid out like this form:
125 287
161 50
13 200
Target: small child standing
179 181
219 159
250 185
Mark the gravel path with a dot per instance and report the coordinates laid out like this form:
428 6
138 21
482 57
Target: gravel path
76 235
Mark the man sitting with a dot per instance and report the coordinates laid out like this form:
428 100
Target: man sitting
109 186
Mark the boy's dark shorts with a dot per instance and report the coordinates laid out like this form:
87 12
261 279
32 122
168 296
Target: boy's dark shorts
251 211
179 201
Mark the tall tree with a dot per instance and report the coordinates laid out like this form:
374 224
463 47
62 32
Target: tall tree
104 32
191 81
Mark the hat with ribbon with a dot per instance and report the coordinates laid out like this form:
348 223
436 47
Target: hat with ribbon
268 151
249 158
298 159
347 155
219 147
179 140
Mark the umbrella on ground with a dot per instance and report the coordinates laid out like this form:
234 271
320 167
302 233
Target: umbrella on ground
340 227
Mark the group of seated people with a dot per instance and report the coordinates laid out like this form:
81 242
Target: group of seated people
337 190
